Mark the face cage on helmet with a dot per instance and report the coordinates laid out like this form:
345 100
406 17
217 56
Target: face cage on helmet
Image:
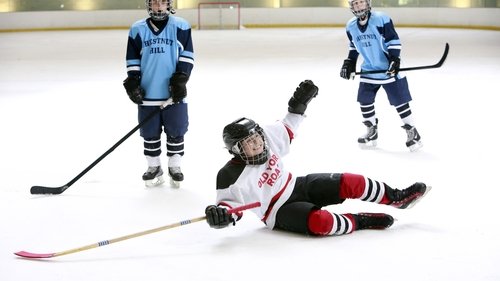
162 14
362 13
256 159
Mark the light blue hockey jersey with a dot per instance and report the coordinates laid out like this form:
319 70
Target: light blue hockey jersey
157 54
376 41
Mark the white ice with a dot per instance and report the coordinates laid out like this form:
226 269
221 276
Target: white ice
62 105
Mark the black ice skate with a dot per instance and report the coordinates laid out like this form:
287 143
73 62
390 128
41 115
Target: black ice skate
408 197
153 176
176 176
373 221
413 142
370 138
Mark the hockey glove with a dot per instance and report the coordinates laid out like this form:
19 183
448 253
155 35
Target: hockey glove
348 69
304 93
393 69
218 217
178 86
133 87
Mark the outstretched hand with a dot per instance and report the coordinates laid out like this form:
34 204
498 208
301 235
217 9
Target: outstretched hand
304 93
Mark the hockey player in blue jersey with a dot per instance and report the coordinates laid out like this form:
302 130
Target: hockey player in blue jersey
159 62
372 34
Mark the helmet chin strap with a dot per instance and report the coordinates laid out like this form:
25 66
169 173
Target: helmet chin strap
363 20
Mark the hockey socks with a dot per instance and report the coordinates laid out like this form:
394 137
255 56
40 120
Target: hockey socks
358 187
322 222
354 186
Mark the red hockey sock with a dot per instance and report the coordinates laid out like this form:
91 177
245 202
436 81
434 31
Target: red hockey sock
356 186
350 217
351 186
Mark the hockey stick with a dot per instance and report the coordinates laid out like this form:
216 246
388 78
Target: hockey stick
30 255
437 65
58 190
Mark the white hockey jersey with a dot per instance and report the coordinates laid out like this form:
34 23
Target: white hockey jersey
270 183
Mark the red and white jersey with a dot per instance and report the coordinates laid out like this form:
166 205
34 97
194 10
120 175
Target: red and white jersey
269 183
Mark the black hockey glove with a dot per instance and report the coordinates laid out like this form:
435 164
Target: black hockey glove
304 93
218 217
177 86
133 87
348 69
393 69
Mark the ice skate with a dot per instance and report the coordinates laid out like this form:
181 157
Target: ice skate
408 197
176 176
153 176
413 142
370 138
373 221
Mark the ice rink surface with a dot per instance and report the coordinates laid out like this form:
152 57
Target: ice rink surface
62 105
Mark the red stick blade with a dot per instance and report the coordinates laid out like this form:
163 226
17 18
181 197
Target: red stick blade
33 255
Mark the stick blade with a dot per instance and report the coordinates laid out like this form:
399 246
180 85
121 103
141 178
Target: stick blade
29 255
47 190
445 55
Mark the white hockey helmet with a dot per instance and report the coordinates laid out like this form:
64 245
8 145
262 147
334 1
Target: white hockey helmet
161 13
362 12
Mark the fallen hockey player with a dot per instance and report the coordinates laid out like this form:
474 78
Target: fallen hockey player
290 203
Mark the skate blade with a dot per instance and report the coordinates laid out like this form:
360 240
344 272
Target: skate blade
415 147
368 145
419 198
154 182
175 184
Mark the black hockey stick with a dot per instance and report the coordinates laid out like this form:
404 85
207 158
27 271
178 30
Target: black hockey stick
58 190
438 64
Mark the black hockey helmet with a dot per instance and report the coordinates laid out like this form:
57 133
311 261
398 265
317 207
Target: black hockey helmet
239 130
162 14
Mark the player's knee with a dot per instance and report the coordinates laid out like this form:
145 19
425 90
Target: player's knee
351 186
178 139
320 222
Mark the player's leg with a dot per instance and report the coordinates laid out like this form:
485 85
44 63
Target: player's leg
175 121
359 187
399 96
366 99
322 222
151 132
175 151
302 212
307 218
